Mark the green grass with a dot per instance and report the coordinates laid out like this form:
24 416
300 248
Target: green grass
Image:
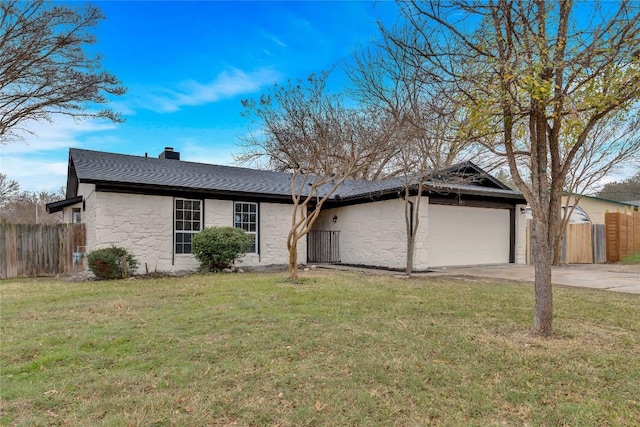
339 349
632 259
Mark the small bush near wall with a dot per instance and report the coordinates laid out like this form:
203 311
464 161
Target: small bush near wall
218 247
111 263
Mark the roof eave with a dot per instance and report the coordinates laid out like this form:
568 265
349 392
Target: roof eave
61 204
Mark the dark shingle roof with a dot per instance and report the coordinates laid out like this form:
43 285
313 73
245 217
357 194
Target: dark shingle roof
97 166
102 167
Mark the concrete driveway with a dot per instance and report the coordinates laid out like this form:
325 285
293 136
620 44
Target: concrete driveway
613 278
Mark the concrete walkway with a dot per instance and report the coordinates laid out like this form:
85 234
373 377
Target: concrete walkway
615 278
593 278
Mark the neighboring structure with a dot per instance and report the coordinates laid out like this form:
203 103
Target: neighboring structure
596 207
153 206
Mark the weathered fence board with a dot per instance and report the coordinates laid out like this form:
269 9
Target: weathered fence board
622 233
599 244
323 246
579 244
31 250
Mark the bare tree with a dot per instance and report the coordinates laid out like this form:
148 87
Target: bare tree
625 190
308 132
8 189
535 83
612 143
44 68
428 132
28 207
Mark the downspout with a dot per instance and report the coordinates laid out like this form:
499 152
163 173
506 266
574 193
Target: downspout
410 218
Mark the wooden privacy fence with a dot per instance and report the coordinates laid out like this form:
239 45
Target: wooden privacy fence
31 250
582 244
622 234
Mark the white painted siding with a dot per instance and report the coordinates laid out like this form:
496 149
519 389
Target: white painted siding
461 235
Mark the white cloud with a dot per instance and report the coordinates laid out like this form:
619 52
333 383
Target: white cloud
62 132
38 161
35 174
227 84
196 151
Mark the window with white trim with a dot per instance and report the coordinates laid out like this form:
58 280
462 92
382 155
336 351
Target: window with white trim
187 222
245 217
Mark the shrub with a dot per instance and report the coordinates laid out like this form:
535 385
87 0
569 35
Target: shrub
218 247
111 263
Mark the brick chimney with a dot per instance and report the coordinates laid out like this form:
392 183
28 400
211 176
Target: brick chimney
168 153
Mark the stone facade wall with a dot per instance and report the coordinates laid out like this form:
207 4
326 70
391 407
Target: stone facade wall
143 225
87 215
521 236
374 233
274 220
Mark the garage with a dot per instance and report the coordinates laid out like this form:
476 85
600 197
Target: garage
466 235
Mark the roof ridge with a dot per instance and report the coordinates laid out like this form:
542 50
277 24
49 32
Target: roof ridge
181 161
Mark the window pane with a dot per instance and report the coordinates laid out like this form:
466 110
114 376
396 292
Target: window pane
252 227
187 204
178 225
252 208
187 225
196 205
178 214
187 215
196 215
178 248
178 237
252 217
187 248
253 245
179 204
187 237
238 207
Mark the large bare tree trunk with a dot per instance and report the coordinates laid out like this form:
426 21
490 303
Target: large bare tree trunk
543 256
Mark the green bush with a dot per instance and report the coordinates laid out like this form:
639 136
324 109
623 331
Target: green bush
111 263
218 247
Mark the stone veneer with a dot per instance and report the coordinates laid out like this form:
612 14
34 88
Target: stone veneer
143 225
374 233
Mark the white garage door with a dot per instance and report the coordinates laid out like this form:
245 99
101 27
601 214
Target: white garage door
460 235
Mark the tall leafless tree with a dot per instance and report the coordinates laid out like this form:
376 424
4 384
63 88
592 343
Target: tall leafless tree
45 68
536 78
429 136
304 130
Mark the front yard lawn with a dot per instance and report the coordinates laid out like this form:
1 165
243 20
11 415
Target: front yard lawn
339 349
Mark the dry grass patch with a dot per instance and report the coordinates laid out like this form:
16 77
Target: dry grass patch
336 349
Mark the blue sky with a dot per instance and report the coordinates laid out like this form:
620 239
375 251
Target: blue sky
187 65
